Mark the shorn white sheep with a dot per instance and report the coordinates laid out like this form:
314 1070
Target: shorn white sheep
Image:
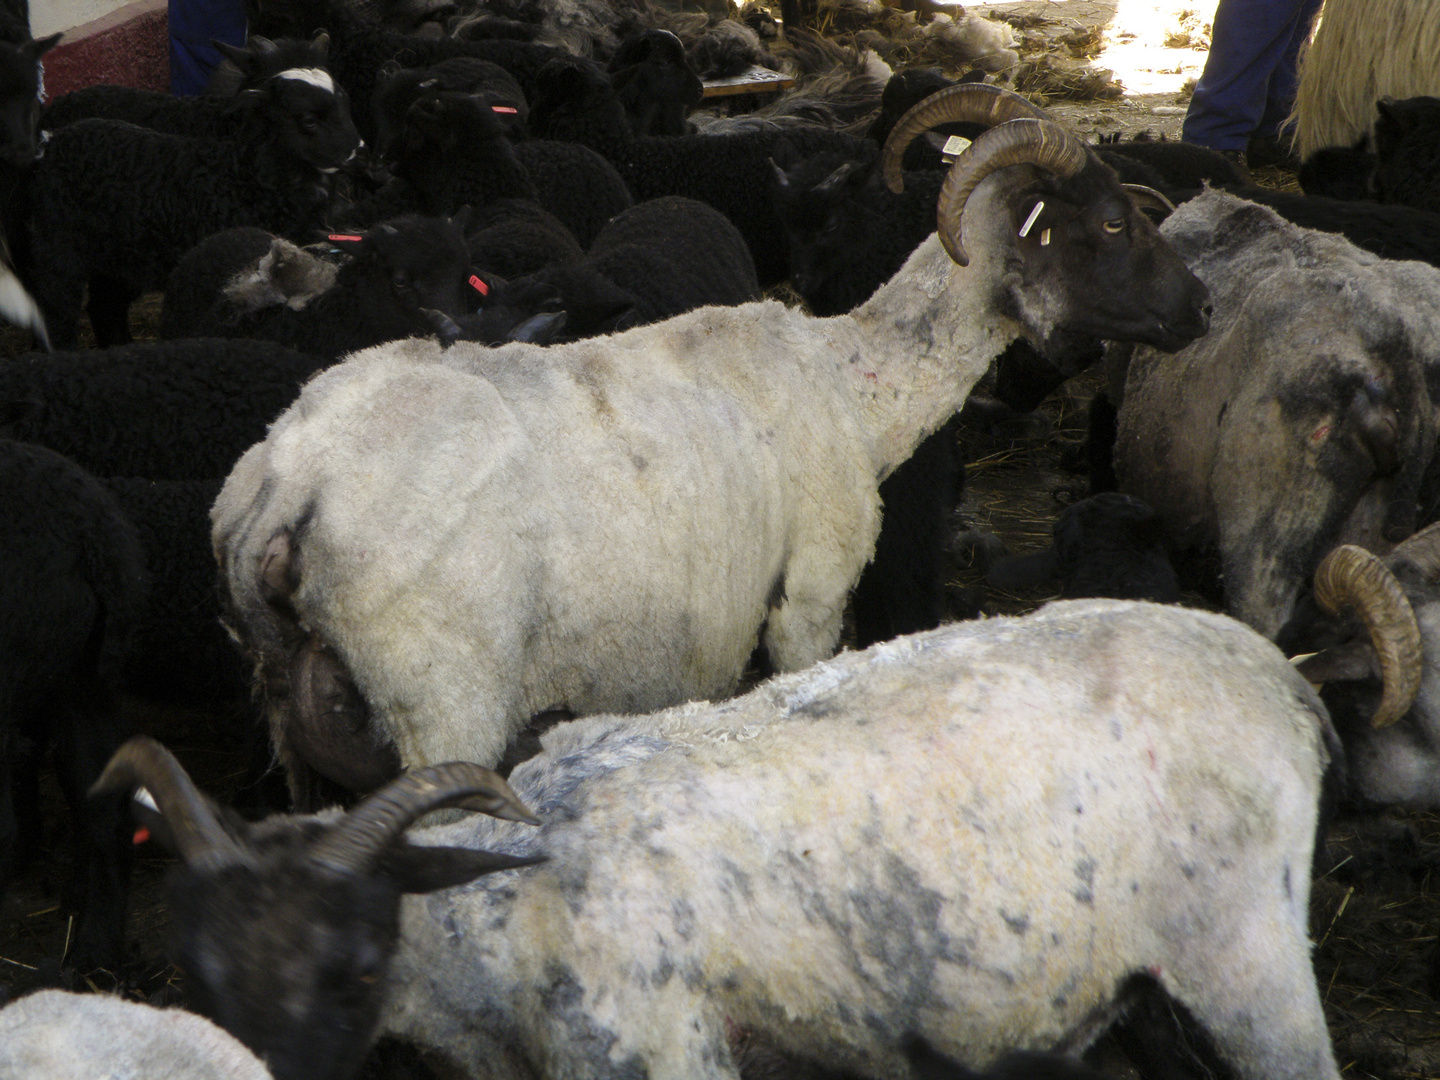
53 1035
432 547
986 835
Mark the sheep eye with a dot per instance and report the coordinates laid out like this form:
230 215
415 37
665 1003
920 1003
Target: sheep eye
1115 226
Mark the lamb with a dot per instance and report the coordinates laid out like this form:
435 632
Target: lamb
209 117
400 270
655 82
625 584
453 151
848 842
96 216
515 237
1107 545
1346 430
1406 160
73 588
173 410
398 88
658 259
62 1036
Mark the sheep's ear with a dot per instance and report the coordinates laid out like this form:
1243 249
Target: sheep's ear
1352 662
321 44
40 46
418 869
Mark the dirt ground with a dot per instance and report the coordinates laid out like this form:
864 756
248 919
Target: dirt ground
1375 911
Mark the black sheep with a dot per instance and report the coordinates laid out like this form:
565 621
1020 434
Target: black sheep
1107 545
515 237
358 50
655 83
211 117
116 206
656 260
1340 172
732 173
1407 152
397 88
167 410
73 586
453 151
400 269
1177 165
179 651
906 89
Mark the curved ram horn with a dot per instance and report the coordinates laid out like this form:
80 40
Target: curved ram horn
188 815
1147 198
1352 577
376 823
975 103
1042 143
1423 550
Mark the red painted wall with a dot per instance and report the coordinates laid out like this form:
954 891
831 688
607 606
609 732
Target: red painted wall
129 47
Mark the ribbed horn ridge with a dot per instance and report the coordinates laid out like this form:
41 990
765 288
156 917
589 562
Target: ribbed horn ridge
188 815
975 103
1042 143
1423 550
1148 198
1352 577
377 822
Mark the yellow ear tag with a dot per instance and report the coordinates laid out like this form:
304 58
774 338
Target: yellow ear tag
1045 238
954 146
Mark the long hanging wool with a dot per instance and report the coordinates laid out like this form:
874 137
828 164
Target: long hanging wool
1361 50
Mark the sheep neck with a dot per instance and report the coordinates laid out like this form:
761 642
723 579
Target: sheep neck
933 330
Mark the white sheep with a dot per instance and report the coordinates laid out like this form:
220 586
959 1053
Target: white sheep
983 835
476 536
53 1035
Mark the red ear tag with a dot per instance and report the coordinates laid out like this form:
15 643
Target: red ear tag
504 109
343 236
478 285
141 835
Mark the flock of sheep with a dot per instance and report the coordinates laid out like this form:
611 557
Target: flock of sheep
468 392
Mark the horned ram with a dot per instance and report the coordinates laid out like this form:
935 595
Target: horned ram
1302 420
835 863
449 543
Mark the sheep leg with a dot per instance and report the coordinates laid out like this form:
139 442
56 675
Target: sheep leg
1259 1004
109 308
804 629
89 733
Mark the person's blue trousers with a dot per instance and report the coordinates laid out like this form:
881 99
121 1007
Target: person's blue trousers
193 24
1248 84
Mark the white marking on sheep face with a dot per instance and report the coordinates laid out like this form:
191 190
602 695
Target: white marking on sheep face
314 76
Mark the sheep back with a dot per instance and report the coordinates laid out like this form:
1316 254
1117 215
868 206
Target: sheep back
549 535
858 841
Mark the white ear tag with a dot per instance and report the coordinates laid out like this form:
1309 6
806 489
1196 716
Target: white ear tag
1045 238
1029 221
954 146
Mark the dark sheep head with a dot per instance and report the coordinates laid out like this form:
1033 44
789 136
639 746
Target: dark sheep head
1080 258
260 58
19 99
398 88
413 263
285 928
655 82
305 115
1376 624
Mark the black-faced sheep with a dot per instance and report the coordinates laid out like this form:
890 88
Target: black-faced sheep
399 88
626 584
60 1036
1107 545
1316 365
1376 623
73 586
1407 152
166 410
210 117
400 269
850 841
655 83
116 206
